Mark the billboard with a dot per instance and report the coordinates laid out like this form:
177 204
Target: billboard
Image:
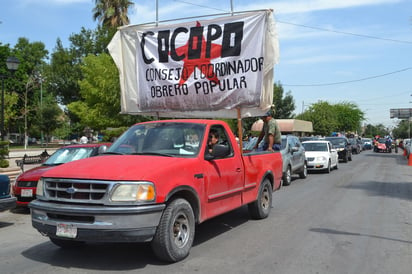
401 113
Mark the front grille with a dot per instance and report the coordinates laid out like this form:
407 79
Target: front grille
26 183
76 191
310 159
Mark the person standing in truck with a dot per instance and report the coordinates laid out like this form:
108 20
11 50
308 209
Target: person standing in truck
270 134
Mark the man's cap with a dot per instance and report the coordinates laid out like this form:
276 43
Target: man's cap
268 113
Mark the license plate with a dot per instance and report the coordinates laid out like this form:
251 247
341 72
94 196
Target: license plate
27 192
66 230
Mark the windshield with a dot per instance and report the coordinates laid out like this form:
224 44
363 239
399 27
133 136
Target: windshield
169 139
382 140
283 144
339 142
315 146
64 155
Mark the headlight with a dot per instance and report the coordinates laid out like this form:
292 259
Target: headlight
39 188
137 192
321 159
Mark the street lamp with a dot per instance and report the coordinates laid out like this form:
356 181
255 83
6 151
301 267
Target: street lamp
12 65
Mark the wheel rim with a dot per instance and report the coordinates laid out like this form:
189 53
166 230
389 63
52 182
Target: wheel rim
181 230
305 170
265 199
288 176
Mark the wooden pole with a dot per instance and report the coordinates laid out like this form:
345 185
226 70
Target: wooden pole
240 130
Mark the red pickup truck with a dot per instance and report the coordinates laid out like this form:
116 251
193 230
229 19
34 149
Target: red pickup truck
154 184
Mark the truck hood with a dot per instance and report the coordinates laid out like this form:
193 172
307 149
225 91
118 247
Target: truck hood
123 167
34 174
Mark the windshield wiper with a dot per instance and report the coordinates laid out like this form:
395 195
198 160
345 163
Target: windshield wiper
113 153
152 153
54 164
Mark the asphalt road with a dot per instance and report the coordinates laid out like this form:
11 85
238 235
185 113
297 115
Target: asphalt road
357 219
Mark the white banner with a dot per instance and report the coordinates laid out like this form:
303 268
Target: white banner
206 68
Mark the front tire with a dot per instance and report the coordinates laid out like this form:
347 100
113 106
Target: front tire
260 208
327 170
175 233
304 173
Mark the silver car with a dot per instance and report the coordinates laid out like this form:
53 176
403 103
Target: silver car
294 160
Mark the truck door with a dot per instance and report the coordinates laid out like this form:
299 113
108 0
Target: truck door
224 176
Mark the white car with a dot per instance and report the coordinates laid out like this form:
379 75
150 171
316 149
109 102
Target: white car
320 155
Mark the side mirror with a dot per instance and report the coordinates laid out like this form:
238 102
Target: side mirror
219 151
102 149
294 149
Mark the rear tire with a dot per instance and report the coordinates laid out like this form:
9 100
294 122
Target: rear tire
175 233
287 176
260 208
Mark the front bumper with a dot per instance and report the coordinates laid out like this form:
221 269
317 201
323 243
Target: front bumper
7 203
317 165
97 223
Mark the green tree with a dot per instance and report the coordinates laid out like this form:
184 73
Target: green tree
402 129
10 97
100 91
322 116
349 116
284 106
32 57
112 13
51 116
63 74
373 130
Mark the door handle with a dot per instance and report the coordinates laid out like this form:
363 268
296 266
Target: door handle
238 169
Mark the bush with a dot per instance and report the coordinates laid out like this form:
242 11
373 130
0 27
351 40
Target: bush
4 151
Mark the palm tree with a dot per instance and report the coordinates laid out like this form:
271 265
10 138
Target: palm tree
112 13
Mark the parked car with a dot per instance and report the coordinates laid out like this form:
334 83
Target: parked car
294 160
342 146
320 155
7 201
24 188
366 143
356 146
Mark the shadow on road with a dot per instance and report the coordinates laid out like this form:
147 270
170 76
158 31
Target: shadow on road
401 190
338 232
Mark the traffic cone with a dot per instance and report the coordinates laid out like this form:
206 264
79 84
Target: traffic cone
404 152
410 160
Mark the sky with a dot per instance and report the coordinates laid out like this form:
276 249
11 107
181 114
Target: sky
357 51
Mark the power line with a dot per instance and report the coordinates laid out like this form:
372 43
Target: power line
200 6
346 82
346 33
